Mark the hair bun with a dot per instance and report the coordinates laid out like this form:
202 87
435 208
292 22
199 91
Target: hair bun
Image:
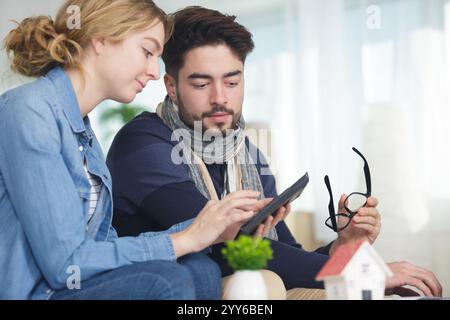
36 47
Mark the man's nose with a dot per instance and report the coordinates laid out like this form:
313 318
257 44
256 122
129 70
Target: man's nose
218 95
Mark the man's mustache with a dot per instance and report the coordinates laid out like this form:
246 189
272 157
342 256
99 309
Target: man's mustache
217 109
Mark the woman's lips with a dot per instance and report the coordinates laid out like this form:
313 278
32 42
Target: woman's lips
141 85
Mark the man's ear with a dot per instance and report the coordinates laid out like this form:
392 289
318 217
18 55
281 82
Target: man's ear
171 87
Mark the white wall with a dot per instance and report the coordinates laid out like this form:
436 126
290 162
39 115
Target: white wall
18 10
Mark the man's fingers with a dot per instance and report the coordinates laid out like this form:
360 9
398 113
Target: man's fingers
259 231
341 207
365 220
419 285
341 203
424 275
406 273
428 278
406 292
367 227
288 209
281 214
267 225
372 202
365 211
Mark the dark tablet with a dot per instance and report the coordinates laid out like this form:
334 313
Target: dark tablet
286 197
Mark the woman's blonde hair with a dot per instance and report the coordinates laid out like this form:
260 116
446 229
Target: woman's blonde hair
38 43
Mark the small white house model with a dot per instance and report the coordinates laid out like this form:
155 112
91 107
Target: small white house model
355 272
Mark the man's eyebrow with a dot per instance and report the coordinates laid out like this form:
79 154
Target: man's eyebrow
197 75
158 45
232 74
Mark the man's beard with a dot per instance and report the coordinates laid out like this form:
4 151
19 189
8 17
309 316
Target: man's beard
189 119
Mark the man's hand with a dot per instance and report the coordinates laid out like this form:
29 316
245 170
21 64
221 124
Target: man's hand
407 274
271 221
365 225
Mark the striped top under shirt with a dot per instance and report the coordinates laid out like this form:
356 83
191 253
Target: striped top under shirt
94 192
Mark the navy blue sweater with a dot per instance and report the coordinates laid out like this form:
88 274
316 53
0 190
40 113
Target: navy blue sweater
151 193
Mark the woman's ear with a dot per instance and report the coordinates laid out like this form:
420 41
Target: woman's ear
171 87
98 45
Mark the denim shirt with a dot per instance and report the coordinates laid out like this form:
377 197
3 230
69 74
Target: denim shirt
45 238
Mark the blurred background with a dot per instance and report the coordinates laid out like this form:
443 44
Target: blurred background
326 76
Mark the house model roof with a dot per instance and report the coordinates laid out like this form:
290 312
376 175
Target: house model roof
340 259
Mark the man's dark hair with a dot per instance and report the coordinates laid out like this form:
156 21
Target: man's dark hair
195 27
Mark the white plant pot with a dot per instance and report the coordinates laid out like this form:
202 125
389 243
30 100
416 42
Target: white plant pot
246 285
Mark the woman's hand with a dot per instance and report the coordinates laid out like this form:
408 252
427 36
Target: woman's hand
218 221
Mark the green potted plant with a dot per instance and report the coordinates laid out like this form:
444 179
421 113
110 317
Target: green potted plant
248 256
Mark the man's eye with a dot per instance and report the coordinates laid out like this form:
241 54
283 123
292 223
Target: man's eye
200 85
233 84
147 53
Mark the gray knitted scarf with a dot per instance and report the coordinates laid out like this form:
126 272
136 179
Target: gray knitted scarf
195 147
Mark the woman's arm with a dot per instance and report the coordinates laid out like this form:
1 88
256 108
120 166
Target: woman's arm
48 205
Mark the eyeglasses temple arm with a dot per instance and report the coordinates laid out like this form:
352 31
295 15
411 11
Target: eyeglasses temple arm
366 173
331 204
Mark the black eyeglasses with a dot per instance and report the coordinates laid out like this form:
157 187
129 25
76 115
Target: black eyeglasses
352 203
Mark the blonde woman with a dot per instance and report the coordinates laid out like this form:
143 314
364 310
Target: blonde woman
56 239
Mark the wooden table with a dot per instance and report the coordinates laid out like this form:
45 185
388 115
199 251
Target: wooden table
306 294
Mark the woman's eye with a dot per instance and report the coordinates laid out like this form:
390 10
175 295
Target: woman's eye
147 53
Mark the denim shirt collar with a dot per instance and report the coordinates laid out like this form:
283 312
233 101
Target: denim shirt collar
68 98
